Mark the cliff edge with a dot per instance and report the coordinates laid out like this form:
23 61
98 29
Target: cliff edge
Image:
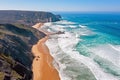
15 51
27 17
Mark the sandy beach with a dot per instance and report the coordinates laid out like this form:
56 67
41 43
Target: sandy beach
42 66
38 25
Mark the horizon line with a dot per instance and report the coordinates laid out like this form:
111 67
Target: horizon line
60 11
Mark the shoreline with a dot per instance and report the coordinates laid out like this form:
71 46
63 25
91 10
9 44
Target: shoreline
38 26
42 66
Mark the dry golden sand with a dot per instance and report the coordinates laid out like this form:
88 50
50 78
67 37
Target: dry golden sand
42 66
38 25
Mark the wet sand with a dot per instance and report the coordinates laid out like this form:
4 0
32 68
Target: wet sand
42 66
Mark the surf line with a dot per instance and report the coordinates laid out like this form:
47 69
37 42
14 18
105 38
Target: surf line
42 66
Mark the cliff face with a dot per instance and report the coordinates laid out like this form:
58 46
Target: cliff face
15 50
27 17
16 41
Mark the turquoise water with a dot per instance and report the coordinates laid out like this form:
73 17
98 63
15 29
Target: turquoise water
90 47
105 31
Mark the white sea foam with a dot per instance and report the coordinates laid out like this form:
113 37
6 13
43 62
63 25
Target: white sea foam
117 47
71 63
100 75
82 31
65 22
48 24
82 26
66 47
109 52
52 28
72 26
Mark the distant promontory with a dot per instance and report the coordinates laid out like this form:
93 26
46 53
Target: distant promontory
27 17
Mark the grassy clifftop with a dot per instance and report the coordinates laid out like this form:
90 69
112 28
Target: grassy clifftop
15 49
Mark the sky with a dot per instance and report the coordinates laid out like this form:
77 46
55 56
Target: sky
61 5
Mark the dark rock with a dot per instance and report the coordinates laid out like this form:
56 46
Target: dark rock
59 17
16 42
7 78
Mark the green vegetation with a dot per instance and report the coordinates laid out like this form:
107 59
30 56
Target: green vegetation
15 75
1 75
7 59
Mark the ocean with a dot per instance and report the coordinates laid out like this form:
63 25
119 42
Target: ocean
89 49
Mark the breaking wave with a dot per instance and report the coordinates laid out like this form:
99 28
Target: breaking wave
103 63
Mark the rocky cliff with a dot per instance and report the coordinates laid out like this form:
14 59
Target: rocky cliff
27 17
15 51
